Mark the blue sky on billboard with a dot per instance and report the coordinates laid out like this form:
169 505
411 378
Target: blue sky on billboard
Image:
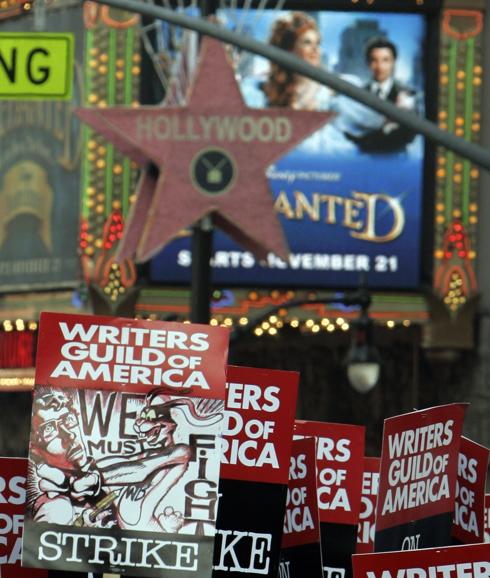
408 33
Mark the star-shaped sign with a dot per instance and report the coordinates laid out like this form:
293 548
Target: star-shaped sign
211 157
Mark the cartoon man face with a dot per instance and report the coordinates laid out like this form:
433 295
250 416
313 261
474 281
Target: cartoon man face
59 435
156 427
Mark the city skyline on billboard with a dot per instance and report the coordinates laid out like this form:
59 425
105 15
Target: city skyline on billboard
349 197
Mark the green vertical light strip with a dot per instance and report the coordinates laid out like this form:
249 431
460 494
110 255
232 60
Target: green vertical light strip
86 131
128 99
111 96
128 64
470 62
448 194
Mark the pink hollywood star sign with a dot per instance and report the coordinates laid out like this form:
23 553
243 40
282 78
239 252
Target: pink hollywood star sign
211 157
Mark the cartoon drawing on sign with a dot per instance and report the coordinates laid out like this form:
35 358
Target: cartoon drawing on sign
104 459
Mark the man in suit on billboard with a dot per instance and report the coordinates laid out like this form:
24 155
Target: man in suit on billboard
381 56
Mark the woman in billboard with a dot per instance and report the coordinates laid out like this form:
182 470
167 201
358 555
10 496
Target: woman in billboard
297 33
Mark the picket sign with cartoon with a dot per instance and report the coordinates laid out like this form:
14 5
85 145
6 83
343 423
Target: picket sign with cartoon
124 457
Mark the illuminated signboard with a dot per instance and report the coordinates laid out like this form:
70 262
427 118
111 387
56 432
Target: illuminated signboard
36 65
350 196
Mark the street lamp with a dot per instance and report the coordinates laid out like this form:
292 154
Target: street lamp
362 361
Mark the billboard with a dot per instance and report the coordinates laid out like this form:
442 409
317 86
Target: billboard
349 197
40 170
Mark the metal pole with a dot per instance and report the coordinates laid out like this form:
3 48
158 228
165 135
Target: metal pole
202 246
477 154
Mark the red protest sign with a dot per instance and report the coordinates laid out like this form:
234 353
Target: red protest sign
301 553
453 562
259 418
256 451
125 441
418 478
302 524
103 352
340 454
367 517
469 513
13 475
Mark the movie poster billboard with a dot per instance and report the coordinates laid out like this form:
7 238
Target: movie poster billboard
13 476
469 511
367 516
454 562
340 455
257 441
301 553
339 196
124 452
40 174
417 482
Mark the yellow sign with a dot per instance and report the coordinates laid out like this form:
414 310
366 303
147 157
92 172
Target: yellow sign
36 65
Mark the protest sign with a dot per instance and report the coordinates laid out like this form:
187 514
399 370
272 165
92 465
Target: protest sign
13 476
417 484
98 352
301 553
124 456
454 562
257 440
340 454
469 512
367 517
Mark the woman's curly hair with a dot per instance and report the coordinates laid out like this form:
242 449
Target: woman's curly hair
279 87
